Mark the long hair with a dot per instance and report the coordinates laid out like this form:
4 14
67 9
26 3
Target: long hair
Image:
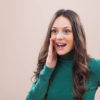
80 70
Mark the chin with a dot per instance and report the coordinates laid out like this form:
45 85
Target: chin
61 53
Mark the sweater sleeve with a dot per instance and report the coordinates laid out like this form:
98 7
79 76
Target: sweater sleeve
95 69
98 71
38 90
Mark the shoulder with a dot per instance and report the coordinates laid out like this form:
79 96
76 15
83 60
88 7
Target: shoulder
94 67
94 62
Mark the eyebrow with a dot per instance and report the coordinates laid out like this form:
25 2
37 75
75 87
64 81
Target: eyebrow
64 27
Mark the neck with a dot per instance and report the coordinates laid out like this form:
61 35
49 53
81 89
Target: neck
67 57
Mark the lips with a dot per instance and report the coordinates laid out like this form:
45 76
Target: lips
60 45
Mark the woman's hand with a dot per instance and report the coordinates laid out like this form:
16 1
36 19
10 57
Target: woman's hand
52 56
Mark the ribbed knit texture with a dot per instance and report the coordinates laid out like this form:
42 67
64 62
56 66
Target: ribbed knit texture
61 87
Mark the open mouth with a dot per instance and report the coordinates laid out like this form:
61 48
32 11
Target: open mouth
60 45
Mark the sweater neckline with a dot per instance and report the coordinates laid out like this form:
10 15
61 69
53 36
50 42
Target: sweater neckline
67 57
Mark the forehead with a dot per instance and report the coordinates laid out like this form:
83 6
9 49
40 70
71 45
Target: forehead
62 22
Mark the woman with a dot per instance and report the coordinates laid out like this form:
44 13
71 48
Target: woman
65 71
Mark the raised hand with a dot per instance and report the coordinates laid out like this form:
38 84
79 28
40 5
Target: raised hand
52 56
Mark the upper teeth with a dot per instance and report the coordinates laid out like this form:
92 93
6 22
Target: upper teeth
60 44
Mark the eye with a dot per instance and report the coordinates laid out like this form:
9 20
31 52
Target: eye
67 31
53 31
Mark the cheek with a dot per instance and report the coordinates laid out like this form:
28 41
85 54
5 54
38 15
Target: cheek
70 40
53 36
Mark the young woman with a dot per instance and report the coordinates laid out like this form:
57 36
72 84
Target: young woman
65 71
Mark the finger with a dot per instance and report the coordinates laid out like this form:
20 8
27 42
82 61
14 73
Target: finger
51 47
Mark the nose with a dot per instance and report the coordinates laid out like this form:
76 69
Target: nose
59 35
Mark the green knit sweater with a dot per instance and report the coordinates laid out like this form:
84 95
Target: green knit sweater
61 87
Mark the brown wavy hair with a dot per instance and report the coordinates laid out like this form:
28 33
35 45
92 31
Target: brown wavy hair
80 70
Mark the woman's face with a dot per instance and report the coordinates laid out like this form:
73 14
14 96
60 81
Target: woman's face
62 33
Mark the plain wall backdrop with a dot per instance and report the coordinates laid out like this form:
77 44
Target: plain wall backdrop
23 26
